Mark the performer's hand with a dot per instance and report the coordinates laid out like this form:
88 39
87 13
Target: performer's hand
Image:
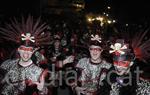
44 91
69 59
40 86
29 82
53 59
80 90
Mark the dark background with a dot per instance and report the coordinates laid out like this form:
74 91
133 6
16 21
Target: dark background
131 11
125 11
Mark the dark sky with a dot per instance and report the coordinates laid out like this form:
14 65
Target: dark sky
13 7
127 11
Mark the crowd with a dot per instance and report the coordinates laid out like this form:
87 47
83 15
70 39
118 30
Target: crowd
63 57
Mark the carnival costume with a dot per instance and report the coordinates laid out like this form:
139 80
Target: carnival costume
25 34
123 79
92 74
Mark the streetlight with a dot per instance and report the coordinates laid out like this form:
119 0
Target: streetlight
109 21
114 21
108 7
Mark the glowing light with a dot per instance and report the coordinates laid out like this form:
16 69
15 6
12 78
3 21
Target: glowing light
93 19
89 19
109 21
102 24
108 7
100 18
114 21
78 5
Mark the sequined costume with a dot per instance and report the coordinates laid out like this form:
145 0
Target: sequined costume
143 87
116 84
116 88
21 74
92 74
16 77
124 80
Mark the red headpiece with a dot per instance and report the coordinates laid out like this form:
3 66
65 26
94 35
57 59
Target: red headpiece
141 47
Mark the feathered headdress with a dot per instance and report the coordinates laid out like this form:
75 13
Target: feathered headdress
141 46
26 32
